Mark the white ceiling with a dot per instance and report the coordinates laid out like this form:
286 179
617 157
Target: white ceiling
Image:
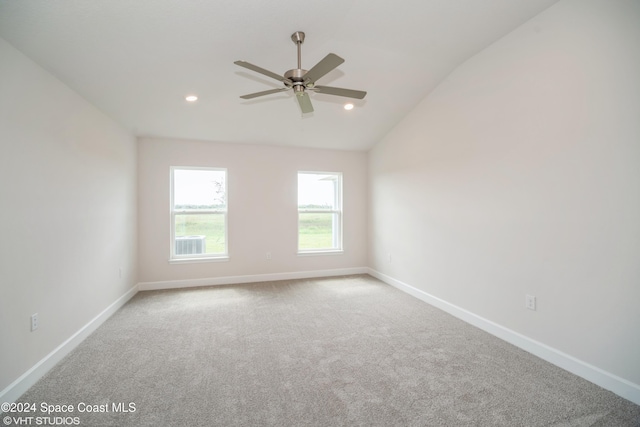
136 60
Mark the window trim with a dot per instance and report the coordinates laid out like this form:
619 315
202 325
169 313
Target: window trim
337 211
190 258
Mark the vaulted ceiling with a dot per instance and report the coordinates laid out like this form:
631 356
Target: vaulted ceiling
137 60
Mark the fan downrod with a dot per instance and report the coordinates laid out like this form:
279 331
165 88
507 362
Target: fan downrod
296 75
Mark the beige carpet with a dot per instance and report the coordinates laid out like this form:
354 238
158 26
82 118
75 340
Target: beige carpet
347 351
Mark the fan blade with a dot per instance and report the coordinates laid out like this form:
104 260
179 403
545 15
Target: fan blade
266 92
327 64
305 102
261 71
349 93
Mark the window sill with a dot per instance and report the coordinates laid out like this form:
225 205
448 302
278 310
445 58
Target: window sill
198 260
321 252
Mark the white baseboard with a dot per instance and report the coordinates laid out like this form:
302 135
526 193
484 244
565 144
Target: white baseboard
606 380
29 378
232 280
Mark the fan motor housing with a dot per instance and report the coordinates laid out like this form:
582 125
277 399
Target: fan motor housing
295 75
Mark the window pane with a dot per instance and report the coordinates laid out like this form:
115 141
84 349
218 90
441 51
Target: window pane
200 234
317 191
315 231
199 189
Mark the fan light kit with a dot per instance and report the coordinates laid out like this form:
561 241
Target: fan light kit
301 81
348 106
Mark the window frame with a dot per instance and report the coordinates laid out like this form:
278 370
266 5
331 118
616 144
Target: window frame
205 257
337 211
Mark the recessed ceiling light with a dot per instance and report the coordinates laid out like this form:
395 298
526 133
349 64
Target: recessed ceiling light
348 107
191 98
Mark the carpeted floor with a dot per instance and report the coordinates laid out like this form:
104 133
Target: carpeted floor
348 351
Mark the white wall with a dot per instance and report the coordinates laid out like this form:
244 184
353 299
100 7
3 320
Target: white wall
262 215
67 216
520 174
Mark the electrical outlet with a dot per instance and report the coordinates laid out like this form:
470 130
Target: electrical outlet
268 255
530 302
34 322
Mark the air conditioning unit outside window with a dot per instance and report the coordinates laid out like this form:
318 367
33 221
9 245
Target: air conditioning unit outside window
187 245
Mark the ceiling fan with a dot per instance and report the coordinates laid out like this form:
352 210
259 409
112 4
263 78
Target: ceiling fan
301 80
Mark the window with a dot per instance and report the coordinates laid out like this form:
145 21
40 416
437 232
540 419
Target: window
198 213
319 212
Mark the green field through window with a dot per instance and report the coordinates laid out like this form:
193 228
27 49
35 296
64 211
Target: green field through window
315 230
